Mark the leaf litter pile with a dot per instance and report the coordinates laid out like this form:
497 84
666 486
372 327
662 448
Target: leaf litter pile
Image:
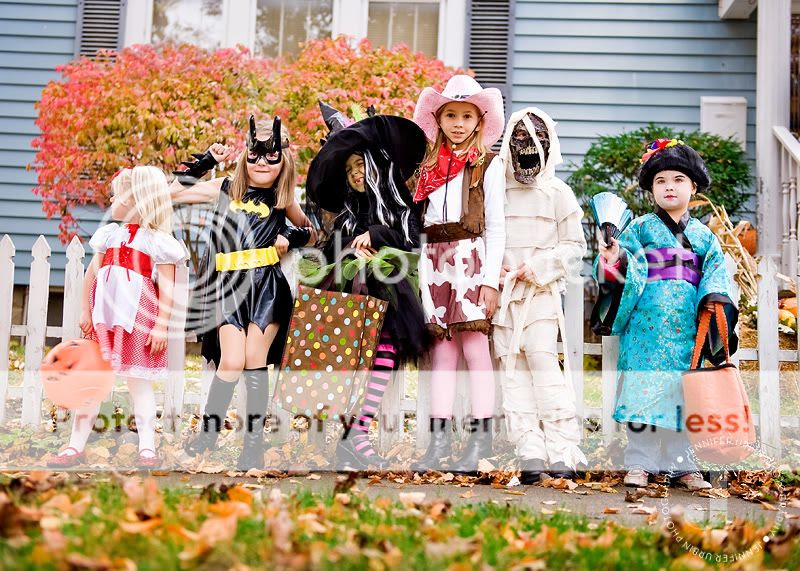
109 521
58 521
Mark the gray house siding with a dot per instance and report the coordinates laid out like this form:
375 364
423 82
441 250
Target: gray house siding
35 37
603 67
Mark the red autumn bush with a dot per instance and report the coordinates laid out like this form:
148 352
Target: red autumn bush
157 104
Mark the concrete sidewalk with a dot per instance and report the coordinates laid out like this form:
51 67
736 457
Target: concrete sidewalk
582 502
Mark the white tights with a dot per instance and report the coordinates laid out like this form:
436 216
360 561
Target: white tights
144 406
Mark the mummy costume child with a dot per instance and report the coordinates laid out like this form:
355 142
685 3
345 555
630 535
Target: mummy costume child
544 248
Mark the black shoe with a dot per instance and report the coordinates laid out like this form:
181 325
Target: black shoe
478 446
439 448
256 381
348 458
531 471
220 394
561 470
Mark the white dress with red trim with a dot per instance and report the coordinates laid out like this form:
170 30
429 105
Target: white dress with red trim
124 300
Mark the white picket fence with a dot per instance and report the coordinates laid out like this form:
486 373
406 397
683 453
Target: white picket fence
397 404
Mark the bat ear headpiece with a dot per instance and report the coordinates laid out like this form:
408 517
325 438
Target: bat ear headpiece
271 148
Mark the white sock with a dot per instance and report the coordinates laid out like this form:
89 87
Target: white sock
144 409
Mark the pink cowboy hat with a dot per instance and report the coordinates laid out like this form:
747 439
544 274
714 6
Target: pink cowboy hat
466 89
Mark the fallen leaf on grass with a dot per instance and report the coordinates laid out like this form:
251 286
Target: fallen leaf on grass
62 504
214 530
140 526
439 508
144 497
231 508
240 494
78 561
546 511
452 547
411 499
690 562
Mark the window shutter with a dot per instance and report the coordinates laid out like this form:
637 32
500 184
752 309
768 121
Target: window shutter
99 26
490 43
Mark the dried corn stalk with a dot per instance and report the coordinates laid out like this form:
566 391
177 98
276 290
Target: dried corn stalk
746 267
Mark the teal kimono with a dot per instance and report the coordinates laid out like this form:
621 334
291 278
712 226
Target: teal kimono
670 270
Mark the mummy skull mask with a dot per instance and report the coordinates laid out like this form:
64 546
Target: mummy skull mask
524 155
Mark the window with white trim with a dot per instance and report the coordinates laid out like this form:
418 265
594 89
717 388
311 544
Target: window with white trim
282 25
197 22
415 24
277 27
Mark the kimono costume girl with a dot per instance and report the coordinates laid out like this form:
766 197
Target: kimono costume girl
667 271
387 151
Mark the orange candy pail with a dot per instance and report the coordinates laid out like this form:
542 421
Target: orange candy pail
75 375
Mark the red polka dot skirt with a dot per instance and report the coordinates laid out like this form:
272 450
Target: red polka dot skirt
127 351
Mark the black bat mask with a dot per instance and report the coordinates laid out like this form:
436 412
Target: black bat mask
524 154
269 149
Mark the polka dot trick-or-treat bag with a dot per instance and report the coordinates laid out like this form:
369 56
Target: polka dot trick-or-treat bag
329 352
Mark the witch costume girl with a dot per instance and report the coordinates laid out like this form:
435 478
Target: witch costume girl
360 175
668 269
241 302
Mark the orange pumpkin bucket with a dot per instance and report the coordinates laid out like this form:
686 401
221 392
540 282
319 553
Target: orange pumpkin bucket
75 375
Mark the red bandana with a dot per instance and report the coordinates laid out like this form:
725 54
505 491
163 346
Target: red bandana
437 175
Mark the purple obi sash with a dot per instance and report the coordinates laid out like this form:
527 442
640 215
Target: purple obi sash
673 264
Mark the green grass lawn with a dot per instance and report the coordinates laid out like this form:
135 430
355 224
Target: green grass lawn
126 524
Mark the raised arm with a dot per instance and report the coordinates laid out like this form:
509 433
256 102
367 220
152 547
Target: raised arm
206 191
187 188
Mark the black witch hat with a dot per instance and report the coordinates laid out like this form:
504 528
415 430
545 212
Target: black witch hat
401 139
